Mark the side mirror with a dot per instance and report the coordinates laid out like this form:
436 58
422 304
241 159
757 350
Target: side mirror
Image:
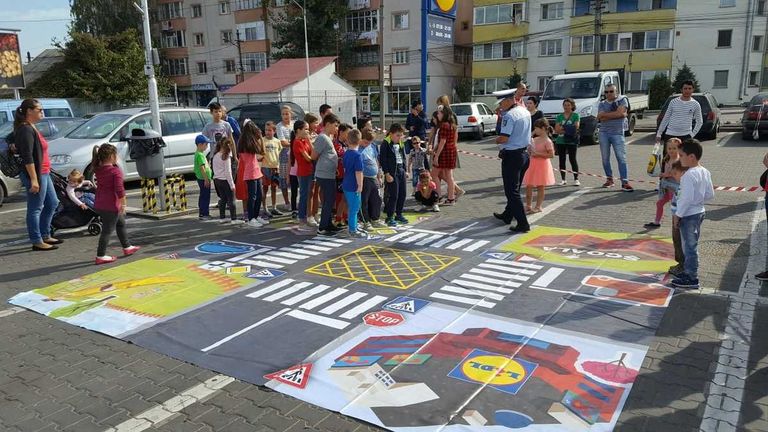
354 119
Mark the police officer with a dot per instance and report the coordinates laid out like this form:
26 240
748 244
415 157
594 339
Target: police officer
514 139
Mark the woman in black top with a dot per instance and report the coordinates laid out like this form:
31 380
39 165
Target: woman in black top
532 105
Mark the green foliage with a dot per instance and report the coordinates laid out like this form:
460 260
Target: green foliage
103 17
683 74
464 89
659 89
513 79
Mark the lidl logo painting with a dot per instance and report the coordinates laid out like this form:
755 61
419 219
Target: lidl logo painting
503 373
443 7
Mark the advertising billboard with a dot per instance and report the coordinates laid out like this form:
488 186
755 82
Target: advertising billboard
11 75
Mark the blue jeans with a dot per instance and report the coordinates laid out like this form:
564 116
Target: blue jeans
690 230
88 199
615 141
204 200
41 207
353 207
254 197
305 183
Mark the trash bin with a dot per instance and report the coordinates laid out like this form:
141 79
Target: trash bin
146 149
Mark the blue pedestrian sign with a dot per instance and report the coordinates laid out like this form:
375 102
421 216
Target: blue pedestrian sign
266 274
406 304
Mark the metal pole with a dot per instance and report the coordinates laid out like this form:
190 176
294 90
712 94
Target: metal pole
382 88
424 56
240 55
306 54
598 29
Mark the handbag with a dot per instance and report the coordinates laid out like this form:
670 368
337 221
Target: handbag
655 161
764 180
10 161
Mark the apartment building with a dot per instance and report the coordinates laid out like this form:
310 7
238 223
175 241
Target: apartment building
723 41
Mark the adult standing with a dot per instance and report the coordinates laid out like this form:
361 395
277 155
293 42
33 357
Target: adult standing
35 175
514 138
532 105
444 159
445 101
416 123
567 129
683 117
612 115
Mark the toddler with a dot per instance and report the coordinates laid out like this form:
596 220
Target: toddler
426 191
76 182
417 159
667 184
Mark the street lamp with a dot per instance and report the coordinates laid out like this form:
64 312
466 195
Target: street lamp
306 50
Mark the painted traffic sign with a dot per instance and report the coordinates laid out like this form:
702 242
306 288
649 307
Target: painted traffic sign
406 304
296 376
497 255
383 319
266 274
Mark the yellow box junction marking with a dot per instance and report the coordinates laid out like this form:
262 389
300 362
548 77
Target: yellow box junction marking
392 268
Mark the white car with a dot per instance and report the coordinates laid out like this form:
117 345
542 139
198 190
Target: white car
9 186
475 117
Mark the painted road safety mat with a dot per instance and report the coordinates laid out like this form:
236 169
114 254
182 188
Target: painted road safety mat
421 330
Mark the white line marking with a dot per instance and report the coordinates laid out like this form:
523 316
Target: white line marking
355 296
323 299
592 296
313 247
496 287
443 242
10 311
511 276
413 238
299 250
399 236
557 204
338 241
169 408
269 257
457 290
429 239
320 243
548 277
493 273
260 263
245 330
269 289
250 254
476 245
317 319
732 368
465 228
362 307
305 295
514 264
294 255
288 291
13 211
426 231
460 243
457 299
475 285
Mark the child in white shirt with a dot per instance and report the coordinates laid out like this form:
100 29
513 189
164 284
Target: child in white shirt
223 180
76 182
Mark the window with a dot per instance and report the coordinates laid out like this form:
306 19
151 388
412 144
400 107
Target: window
254 62
764 78
499 50
202 68
400 98
366 56
175 67
508 13
552 47
656 4
757 43
582 44
638 81
761 7
171 11
400 21
226 37
229 66
400 56
543 80
552 11
199 40
754 79
363 21
724 38
485 86
177 123
174 39
197 11
224 7
281 3
247 4
721 79
252 31
582 7
655 39
727 3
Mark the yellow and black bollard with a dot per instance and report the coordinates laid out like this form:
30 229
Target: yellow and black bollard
144 196
152 196
182 192
168 182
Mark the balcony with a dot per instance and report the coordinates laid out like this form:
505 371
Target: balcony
586 7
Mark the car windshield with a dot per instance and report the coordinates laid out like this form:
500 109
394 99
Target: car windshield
575 88
98 127
5 129
61 127
462 110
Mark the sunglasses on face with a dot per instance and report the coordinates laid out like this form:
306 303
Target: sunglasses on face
609 91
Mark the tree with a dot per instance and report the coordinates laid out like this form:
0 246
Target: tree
513 79
464 89
104 18
98 69
683 74
659 89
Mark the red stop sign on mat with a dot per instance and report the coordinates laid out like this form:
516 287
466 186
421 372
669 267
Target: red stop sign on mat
383 319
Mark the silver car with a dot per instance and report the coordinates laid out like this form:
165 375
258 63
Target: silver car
475 118
179 128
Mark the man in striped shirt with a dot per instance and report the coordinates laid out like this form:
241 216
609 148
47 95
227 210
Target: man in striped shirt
682 118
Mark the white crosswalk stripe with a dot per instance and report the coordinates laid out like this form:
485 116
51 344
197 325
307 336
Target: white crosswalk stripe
437 240
269 257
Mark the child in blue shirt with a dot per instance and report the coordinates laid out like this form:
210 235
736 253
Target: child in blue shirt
352 184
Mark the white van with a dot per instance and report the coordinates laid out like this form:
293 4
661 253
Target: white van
51 108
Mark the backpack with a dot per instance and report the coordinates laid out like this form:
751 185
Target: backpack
655 161
10 161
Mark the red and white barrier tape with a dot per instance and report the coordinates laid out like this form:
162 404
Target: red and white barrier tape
717 188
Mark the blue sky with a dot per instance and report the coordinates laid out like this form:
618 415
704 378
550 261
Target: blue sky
39 21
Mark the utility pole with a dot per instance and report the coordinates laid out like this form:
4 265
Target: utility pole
240 55
382 88
598 30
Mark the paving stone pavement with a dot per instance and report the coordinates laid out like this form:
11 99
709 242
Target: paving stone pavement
56 377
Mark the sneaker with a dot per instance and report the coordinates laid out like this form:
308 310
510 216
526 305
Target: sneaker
265 215
276 212
358 234
294 215
106 259
459 191
303 227
311 222
204 218
237 222
326 232
423 209
254 223
762 276
130 250
608 184
652 225
576 183
676 270
401 219
391 222
627 188
435 208
368 226
685 282
225 221
336 228
379 224
263 221
563 183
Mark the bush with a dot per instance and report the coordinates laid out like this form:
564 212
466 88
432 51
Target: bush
659 89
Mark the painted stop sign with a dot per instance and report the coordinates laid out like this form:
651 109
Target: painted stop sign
383 318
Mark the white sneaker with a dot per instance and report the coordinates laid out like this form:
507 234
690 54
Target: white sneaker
254 223
237 222
577 183
423 209
263 221
379 224
367 226
311 221
435 208
305 227
358 234
563 183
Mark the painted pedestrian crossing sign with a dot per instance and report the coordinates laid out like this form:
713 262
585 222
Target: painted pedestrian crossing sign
266 274
406 304
296 376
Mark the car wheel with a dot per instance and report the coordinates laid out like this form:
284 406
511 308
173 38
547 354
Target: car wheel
715 130
589 140
480 132
3 194
631 130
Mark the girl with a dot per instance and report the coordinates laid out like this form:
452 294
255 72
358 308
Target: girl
539 173
444 159
76 183
301 156
667 184
251 147
222 178
110 201
287 172
426 192
567 129
314 197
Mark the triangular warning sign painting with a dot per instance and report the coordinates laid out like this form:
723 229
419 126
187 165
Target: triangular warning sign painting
406 306
297 376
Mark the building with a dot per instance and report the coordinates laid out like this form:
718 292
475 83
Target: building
541 38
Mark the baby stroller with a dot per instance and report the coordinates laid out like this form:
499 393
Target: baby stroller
68 214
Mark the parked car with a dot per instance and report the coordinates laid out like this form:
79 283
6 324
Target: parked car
179 128
710 113
756 109
51 128
262 112
475 117
8 187
51 108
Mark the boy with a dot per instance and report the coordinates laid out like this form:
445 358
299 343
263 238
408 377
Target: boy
695 190
326 164
352 184
392 160
371 200
416 160
203 176
676 170
426 192
270 167
218 126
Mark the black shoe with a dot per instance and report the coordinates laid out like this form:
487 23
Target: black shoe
326 232
520 229
38 248
501 217
53 241
336 228
762 276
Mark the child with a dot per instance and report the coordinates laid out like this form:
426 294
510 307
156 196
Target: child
251 149
340 145
110 202
270 169
218 127
353 181
314 197
203 176
392 160
417 159
301 157
426 192
326 165
676 171
370 200
223 181
667 185
539 173
284 129
76 182
695 190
